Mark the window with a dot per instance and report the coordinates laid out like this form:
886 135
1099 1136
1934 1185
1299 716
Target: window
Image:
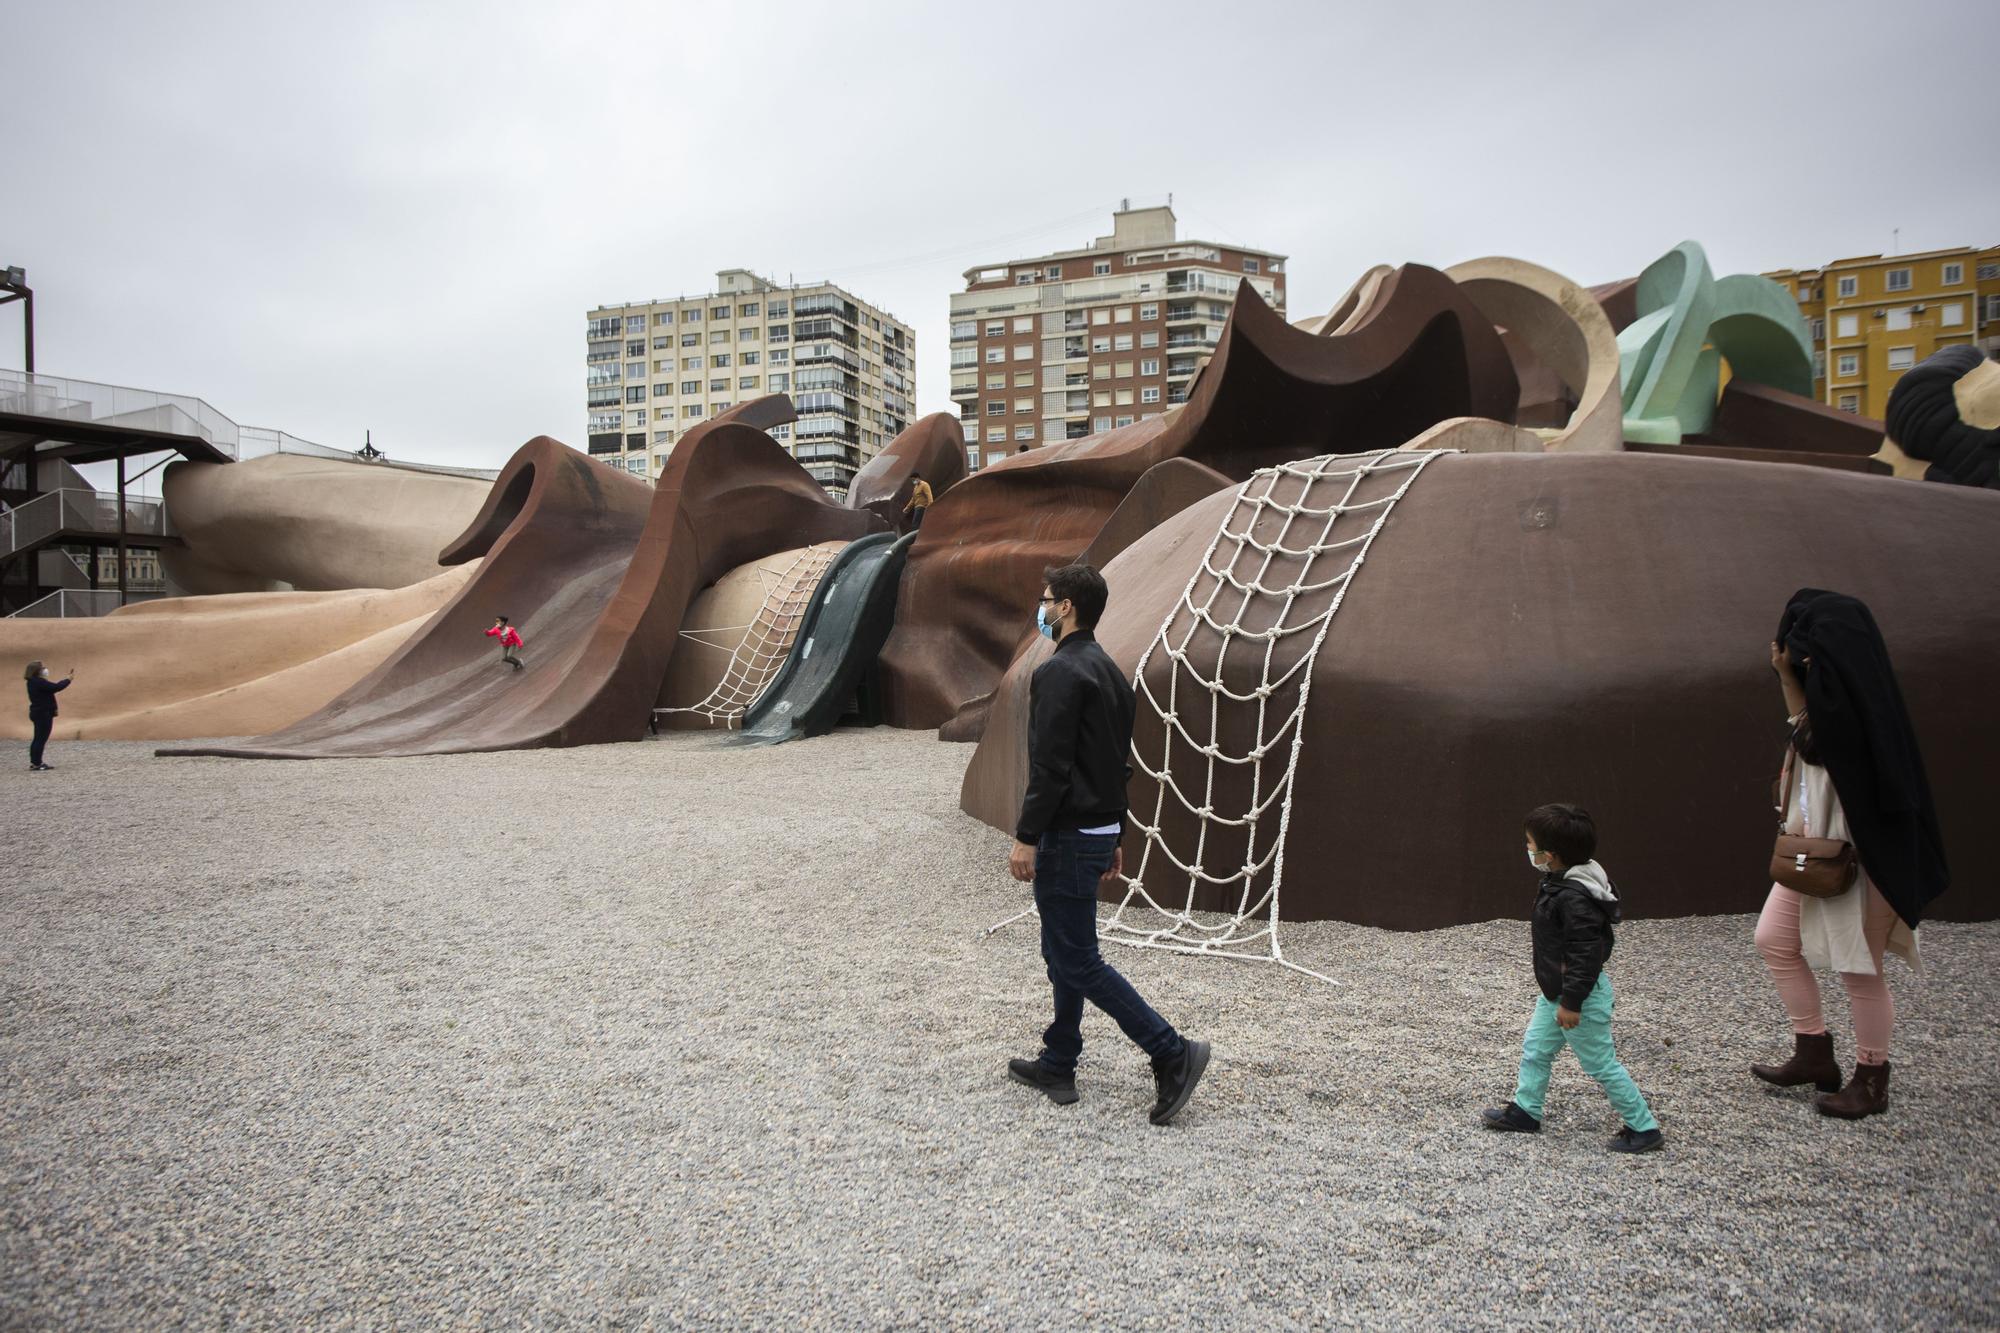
1024 379
690 340
748 335
691 363
1101 398
635 323
994 354
639 417
1899 319
1122 343
604 328
1898 280
690 316
1100 268
691 410
1902 358
1100 424
778 333
1951 314
1847 365
996 435
996 381
746 382
747 310
996 407
663 317
1100 317
1992 308
1846 326
1101 371
776 308
1805 291
1848 286
1123 314
1024 279
1150 394
635 393
1024 404
636 348
719 362
1819 365
1819 330
718 312
1124 370
719 386
1850 402
971 459
996 328
1954 274
1024 351
1150 366
1101 343
964 328
1150 338
1053 273
662 390
635 370
1123 398
690 386
1024 432
749 358
1125 421
778 383
780 357
1024 324
719 338
1149 312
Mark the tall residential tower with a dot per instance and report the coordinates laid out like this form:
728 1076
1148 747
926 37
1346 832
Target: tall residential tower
1081 341
657 368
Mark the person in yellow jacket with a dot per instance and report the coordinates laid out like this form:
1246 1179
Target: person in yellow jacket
920 500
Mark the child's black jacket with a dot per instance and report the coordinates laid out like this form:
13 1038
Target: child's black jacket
1573 939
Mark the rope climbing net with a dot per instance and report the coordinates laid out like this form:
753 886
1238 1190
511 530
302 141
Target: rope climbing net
767 639
1240 646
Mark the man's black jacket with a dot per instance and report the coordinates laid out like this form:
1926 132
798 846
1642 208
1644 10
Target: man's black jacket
1080 711
1573 939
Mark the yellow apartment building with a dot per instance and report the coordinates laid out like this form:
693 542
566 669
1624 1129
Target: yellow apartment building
1873 317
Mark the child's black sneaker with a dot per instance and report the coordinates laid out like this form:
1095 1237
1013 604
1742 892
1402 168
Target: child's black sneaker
1638 1140
1511 1118
1061 1088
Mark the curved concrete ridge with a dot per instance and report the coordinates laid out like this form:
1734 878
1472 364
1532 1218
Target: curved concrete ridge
1421 351
1758 329
1567 329
220 665
1356 299
933 445
598 570
316 524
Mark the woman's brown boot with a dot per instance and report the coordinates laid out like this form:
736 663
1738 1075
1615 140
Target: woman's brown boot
1867 1093
1812 1062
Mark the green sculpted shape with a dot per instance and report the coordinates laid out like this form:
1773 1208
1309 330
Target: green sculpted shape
1670 356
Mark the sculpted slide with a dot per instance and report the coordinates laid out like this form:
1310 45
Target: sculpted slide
1416 350
597 570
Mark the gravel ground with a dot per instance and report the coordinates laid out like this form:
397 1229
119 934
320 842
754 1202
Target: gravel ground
652 1035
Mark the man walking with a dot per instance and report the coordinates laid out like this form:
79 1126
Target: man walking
1080 732
920 500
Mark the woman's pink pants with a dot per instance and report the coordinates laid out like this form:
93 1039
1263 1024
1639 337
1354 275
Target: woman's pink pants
1867 996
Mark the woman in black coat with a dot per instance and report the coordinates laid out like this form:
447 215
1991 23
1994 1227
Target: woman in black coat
42 710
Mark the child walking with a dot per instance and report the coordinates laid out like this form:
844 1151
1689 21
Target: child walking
510 639
1575 910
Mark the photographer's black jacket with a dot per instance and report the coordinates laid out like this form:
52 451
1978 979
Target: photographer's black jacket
1080 711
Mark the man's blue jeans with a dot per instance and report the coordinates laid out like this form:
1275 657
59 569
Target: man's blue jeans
1067 868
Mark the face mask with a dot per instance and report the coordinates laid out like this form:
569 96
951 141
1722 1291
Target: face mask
1533 862
1042 622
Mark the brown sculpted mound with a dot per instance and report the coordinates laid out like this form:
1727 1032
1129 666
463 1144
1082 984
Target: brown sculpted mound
1415 351
932 445
314 523
228 665
597 570
1559 626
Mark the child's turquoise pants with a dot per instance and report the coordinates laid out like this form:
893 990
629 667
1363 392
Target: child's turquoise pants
1591 1040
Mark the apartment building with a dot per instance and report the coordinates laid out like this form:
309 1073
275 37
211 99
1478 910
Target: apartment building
655 369
1069 344
1873 317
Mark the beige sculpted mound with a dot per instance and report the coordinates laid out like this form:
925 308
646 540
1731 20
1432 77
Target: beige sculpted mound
315 524
214 666
736 635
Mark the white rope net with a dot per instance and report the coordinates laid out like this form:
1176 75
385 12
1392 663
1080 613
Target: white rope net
767 639
1221 736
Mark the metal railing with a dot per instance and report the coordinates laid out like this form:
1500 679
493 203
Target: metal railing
87 402
71 509
75 604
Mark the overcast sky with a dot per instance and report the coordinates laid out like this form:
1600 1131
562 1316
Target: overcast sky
392 216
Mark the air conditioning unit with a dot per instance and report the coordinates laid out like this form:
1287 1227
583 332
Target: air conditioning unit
1881 314
1916 310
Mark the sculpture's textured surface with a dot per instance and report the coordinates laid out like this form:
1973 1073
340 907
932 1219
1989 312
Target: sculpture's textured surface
219 666
1585 628
597 570
1416 350
313 523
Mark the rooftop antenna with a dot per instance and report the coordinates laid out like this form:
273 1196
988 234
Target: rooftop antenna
1124 205
1895 241
369 453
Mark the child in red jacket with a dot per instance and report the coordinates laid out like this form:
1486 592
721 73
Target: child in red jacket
510 639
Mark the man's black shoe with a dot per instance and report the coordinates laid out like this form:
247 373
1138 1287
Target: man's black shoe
1511 1117
1061 1088
1637 1140
1176 1079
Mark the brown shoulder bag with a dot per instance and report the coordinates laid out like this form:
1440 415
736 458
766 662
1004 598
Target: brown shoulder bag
1816 867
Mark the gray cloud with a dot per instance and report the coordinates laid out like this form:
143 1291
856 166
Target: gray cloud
393 216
